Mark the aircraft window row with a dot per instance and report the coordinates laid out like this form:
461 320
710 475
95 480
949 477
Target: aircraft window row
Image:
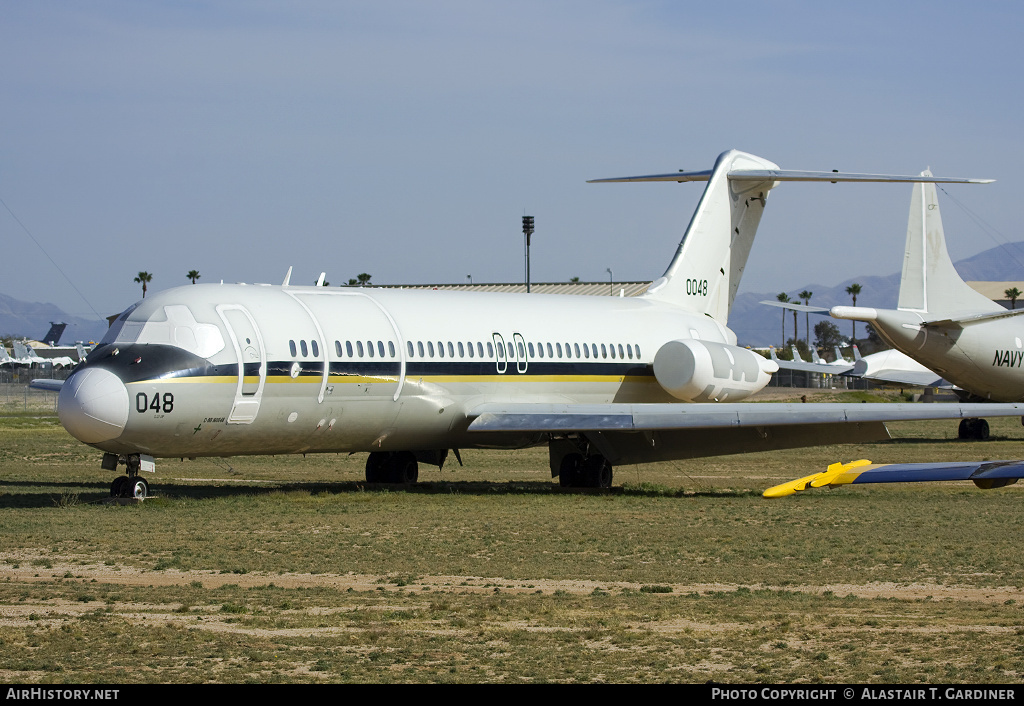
427 349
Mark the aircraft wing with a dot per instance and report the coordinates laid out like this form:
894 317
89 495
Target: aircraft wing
985 474
548 417
46 384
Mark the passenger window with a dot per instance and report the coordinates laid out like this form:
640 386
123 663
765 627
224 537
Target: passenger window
629 351
380 348
470 347
291 347
451 350
540 350
348 349
501 352
576 349
430 349
621 353
638 351
604 352
411 351
529 347
369 348
490 350
440 349
303 348
522 351
337 348
419 347
593 348
558 347
586 351
391 348
511 351
316 349
568 351
462 350
359 348
551 353
612 347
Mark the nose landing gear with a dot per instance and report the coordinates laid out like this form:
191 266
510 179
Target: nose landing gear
130 485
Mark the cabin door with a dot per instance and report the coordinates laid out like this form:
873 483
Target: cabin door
251 354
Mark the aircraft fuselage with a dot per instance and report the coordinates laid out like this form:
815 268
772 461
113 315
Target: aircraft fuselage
217 370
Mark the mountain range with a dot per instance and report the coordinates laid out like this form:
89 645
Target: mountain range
755 324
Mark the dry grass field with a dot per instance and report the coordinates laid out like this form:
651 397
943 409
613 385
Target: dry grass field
292 569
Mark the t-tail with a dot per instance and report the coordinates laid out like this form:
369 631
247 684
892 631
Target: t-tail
705 272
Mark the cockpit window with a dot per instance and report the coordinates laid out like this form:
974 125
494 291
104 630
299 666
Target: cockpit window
178 327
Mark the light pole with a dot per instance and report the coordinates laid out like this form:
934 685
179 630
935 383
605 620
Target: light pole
611 285
527 232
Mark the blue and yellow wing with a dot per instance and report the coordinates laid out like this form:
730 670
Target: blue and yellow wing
984 474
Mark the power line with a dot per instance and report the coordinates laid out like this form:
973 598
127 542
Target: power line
29 233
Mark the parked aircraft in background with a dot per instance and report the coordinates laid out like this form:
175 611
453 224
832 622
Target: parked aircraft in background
943 324
25 352
407 375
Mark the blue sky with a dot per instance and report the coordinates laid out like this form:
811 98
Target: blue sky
406 139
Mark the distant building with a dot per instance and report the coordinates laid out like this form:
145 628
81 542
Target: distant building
996 291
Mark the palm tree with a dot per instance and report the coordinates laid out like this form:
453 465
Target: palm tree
193 275
364 279
853 290
1012 293
144 278
784 298
806 296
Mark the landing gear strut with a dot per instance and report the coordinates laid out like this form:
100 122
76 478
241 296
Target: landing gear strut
392 467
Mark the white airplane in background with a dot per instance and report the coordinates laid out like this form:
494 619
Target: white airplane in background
407 375
27 353
945 327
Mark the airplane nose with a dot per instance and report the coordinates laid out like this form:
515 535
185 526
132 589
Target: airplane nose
93 405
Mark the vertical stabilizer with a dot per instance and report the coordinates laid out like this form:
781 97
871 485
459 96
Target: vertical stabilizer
930 283
706 270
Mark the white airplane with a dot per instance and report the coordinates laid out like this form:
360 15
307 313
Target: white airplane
838 367
27 353
948 329
407 375
6 359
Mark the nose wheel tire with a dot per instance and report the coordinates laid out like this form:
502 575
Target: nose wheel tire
125 487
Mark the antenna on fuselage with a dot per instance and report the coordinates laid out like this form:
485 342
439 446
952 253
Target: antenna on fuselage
287 277
323 278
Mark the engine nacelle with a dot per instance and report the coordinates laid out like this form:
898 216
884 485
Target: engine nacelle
705 371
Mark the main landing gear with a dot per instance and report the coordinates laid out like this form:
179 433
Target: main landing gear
972 428
130 485
392 467
579 471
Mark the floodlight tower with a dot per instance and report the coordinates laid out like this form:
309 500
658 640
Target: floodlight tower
527 232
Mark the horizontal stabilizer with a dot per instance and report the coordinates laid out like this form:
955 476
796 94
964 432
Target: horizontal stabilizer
985 474
795 175
973 319
799 307
46 384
